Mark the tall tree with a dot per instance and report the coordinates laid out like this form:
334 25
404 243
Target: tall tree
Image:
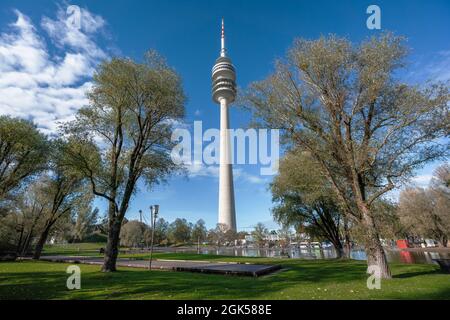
260 233
132 109
425 212
10 227
218 234
366 129
29 212
85 218
303 196
199 231
59 192
23 152
133 233
387 219
285 236
180 231
161 231
441 178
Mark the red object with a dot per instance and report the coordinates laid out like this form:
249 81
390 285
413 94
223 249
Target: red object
406 257
402 244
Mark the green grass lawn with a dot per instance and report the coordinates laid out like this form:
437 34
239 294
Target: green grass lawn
91 249
301 279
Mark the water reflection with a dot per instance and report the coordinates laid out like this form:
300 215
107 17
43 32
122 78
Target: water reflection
329 253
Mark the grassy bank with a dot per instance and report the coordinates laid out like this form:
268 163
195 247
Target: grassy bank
300 279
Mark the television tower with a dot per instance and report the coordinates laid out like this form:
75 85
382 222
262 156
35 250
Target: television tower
224 93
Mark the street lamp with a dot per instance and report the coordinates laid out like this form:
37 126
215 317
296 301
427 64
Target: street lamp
154 210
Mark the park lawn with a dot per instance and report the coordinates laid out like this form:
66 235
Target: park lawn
93 249
301 279
85 249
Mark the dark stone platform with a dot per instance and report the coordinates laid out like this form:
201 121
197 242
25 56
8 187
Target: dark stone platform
254 270
226 268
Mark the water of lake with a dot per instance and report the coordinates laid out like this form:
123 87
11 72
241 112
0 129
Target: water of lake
392 255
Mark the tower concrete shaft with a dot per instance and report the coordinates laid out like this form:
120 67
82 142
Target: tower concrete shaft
224 93
227 212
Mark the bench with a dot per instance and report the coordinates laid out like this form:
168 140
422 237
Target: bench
444 264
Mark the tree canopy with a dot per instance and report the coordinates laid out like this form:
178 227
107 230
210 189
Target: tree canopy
23 153
367 130
124 134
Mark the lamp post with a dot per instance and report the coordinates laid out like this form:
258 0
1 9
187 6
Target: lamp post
154 213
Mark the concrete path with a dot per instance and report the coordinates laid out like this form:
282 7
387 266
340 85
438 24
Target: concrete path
229 268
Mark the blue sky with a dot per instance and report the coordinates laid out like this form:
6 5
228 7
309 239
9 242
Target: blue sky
46 69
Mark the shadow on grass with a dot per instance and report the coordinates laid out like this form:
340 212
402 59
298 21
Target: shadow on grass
405 271
416 274
136 284
43 280
32 285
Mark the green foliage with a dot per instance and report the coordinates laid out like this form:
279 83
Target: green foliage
85 219
425 212
199 231
8 233
44 208
304 199
95 237
133 234
221 235
161 231
124 135
23 153
260 233
180 231
367 130
132 109
342 103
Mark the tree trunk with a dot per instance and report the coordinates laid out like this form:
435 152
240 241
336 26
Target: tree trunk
115 224
339 250
374 250
112 246
26 244
348 245
28 239
19 244
443 241
41 242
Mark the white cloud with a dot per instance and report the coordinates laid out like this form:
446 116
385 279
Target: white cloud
198 169
439 69
255 179
434 67
48 88
242 175
422 180
78 37
22 49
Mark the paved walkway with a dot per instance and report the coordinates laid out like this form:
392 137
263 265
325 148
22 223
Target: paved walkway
230 268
